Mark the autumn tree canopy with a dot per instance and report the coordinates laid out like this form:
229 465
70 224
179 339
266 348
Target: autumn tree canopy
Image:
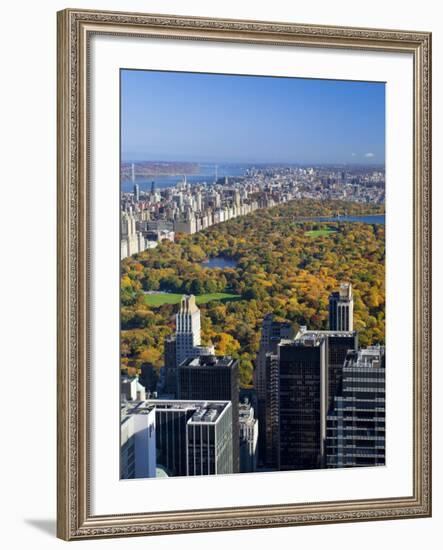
281 268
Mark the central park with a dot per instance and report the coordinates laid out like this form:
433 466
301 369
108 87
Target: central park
276 261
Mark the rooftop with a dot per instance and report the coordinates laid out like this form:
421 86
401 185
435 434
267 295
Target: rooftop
188 304
202 412
344 292
304 339
209 413
370 357
209 361
336 333
129 408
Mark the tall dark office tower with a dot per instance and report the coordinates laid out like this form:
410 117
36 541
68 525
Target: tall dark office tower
148 377
152 187
341 308
170 368
355 433
136 192
171 418
214 378
338 343
271 334
302 402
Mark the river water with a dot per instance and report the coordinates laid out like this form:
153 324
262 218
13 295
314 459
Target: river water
206 174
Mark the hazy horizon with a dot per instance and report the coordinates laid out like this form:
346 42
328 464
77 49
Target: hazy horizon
251 162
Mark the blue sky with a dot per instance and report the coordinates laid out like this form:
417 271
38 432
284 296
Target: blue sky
227 118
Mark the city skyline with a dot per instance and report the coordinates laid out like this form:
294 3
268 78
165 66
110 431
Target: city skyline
323 405
271 119
252 274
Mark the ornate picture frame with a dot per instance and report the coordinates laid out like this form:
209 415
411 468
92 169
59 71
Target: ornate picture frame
74 517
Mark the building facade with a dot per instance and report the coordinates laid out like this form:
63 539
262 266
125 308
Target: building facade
270 422
336 346
210 440
131 389
338 343
176 438
356 425
188 330
137 441
272 333
132 241
248 431
214 378
169 372
171 418
341 308
302 402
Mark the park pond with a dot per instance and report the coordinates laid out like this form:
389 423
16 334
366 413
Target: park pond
221 262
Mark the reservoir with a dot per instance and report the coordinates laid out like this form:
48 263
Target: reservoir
375 218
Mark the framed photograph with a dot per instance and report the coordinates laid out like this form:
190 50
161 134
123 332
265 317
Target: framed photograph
243 274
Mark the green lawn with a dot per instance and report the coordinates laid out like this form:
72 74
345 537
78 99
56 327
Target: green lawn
157 300
320 232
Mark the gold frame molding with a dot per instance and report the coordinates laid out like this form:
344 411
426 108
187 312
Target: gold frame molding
74 519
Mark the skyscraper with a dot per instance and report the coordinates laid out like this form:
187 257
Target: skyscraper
214 378
187 335
302 402
356 426
171 418
338 343
137 442
271 334
341 308
170 367
136 192
210 440
181 438
132 241
336 346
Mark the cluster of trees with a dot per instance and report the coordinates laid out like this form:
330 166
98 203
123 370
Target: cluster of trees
280 269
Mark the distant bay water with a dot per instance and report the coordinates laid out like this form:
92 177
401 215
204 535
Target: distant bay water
206 173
